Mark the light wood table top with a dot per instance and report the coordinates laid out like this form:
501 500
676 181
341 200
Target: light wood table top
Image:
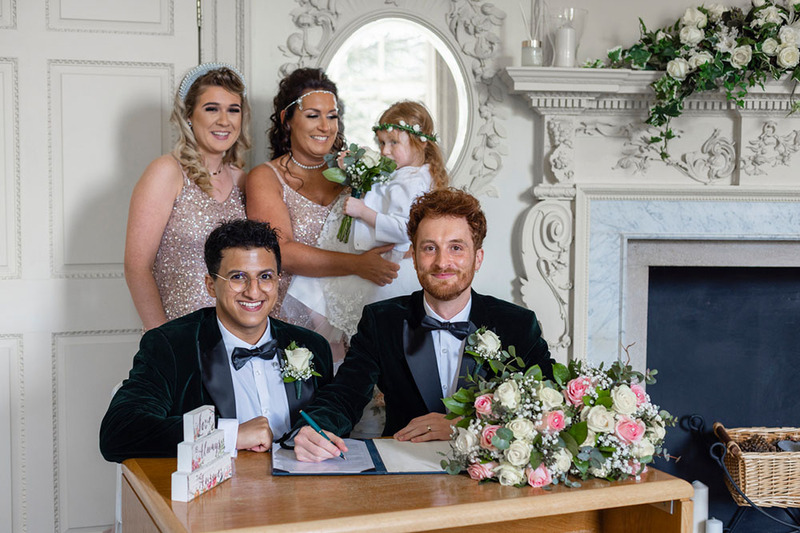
254 500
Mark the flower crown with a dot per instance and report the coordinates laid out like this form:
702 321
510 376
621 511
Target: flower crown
203 69
414 130
299 99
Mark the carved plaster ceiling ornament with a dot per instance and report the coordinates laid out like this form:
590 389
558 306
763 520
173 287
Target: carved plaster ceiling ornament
468 27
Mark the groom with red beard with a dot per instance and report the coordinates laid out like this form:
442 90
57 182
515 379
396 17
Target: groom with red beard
411 346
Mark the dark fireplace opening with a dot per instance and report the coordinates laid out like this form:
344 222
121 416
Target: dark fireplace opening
726 343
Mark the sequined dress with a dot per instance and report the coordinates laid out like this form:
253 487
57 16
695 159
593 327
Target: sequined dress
179 268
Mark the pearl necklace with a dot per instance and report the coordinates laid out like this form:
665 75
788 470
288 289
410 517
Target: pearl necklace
301 165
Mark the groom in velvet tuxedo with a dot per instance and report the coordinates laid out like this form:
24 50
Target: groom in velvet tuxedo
411 347
229 356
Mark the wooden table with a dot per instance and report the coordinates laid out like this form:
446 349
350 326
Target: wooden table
254 500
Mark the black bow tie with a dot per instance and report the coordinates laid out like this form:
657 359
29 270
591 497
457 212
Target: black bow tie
459 330
266 351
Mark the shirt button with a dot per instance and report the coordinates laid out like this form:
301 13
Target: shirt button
444 350
258 372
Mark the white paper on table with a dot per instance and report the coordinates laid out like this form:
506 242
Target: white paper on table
405 456
358 460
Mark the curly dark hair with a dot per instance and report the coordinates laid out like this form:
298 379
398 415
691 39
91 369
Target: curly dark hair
289 89
240 233
448 202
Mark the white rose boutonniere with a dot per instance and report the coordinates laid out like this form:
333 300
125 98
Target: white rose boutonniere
485 347
297 365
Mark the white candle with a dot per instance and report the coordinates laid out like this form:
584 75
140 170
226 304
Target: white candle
565 47
713 525
700 512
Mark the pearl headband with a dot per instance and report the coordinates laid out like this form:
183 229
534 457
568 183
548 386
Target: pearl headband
299 99
203 69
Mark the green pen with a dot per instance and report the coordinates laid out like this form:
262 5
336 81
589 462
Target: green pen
318 429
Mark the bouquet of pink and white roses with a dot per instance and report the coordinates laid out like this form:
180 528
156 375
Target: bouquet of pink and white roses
522 429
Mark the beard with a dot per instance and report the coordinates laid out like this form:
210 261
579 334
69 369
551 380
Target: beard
447 290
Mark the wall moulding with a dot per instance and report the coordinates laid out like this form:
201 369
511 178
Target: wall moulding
727 162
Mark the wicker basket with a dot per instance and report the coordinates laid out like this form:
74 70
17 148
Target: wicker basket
769 479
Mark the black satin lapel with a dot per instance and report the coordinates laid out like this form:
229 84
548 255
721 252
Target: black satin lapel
421 359
295 404
215 369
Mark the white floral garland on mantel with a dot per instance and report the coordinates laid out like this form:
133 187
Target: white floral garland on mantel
473 25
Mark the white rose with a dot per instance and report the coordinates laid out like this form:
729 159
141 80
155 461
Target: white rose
465 441
508 394
488 342
788 56
509 475
522 428
299 358
600 420
741 55
691 35
563 460
589 440
371 158
699 59
660 36
624 400
769 46
643 448
715 11
787 35
678 68
550 398
758 3
772 15
518 453
694 17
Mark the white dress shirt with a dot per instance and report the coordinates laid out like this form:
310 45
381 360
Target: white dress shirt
449 349
257 387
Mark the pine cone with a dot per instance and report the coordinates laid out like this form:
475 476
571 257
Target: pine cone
756 443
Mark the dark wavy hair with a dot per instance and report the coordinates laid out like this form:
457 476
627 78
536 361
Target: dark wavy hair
240 233
448 202
289 89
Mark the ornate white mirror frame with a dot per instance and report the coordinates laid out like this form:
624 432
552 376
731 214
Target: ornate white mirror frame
467 27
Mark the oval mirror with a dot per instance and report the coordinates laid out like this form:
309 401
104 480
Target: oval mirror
394 59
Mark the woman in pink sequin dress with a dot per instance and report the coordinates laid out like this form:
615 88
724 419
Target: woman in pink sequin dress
291 194
185 194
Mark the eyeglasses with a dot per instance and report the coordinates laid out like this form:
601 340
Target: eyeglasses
239 281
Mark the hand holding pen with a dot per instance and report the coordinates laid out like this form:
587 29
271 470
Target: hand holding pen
309 451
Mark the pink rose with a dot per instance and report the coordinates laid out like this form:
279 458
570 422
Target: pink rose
481 471
540 477
576 390
487 435
554 421
641 396
629 430
483 404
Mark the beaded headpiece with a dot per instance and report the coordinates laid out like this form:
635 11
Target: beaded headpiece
299 99
203 69
414 130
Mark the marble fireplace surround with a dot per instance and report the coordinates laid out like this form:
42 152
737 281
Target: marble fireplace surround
608 207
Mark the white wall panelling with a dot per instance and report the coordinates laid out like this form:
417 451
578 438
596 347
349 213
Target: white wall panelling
12 435
8 14
89 148
10 259
85 361
120 16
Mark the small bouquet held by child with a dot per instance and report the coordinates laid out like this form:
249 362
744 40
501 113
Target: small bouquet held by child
522 429
360 168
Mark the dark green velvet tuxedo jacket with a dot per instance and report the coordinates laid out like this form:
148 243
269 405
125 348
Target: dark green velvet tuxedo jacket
183 365
391 350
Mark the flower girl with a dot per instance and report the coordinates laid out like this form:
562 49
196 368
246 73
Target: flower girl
405 134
